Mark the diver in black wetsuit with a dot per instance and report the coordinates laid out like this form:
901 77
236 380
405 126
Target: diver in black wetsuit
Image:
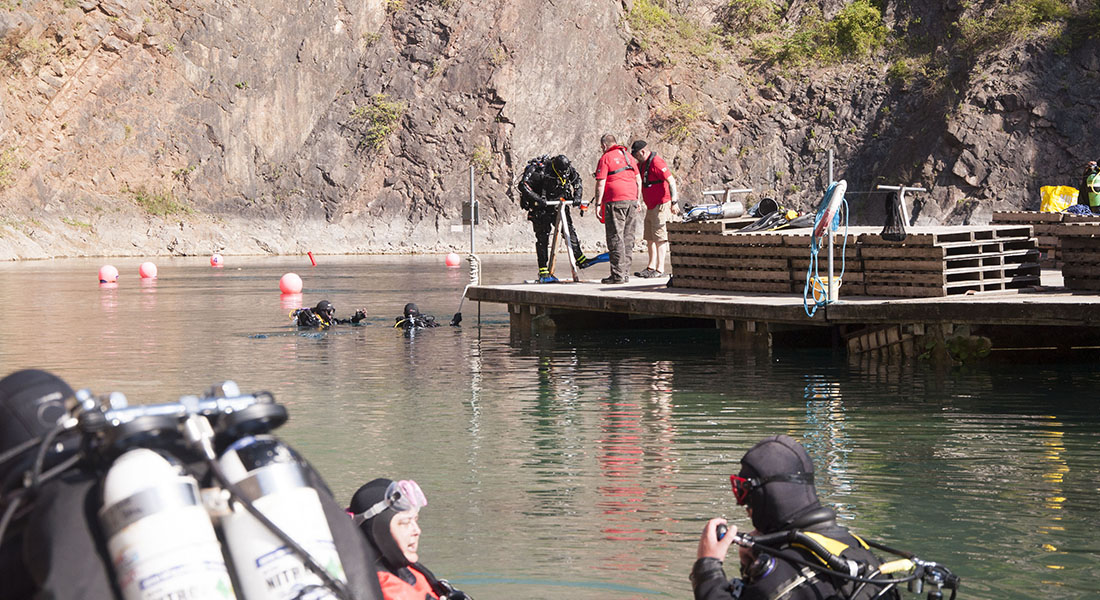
545 180
323 316
412 319
777 487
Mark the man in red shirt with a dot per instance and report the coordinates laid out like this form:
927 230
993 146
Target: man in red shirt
659 194
618 184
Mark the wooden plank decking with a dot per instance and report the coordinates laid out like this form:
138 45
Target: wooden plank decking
1050 305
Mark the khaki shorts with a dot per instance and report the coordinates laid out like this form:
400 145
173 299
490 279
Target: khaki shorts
655 219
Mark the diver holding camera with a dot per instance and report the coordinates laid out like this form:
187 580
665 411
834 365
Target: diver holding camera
799 551
187 499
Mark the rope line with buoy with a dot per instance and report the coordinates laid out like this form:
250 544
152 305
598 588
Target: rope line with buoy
826 222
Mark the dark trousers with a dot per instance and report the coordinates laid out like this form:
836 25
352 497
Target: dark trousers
620 220
543 222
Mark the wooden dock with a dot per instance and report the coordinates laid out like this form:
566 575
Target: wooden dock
1048 315
959 290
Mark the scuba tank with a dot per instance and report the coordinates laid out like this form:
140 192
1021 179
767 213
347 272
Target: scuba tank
726 210
149 500
273 478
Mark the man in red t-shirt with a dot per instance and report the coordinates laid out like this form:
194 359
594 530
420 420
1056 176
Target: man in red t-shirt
659 194
618 184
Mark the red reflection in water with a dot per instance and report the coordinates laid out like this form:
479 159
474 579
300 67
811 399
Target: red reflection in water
635 437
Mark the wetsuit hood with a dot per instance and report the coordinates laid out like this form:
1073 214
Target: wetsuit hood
411 310
786 491
377 528
325 309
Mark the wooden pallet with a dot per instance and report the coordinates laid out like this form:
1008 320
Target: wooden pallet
930 262
711 255
1045 226
951 261
1081 266
1024 216
1049 230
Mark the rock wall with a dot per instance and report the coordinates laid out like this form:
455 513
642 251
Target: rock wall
151 127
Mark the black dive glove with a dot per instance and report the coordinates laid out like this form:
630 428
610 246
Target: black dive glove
450 593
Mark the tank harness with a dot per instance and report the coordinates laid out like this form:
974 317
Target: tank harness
628 166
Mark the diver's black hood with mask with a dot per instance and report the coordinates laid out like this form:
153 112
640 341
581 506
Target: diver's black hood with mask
377 528
787 495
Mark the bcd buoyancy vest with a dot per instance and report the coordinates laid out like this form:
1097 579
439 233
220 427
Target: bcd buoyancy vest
778 577
396 588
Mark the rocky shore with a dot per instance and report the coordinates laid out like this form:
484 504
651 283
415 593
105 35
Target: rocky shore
177 127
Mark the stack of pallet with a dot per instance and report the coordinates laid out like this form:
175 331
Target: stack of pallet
845 257
931 262
716 256
1081 255
1047 227
946 261
707 255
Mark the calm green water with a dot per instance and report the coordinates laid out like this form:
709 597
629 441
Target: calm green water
584 466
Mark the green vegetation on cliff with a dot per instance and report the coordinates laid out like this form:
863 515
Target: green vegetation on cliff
659 30
857 31
158 204
380 116
9 162
1014 20
854 33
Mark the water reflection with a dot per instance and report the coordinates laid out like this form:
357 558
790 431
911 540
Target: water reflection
826 441
583 464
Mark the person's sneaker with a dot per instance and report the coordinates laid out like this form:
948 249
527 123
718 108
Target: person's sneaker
647 273
612 279
548 279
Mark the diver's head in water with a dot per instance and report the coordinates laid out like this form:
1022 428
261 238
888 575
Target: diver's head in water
325 310
388 513
411 310
776 483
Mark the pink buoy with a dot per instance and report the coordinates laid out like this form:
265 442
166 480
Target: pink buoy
147 270
108 274
290 284
453 259
216 260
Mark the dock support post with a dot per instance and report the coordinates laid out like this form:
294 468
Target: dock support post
744 335
520 319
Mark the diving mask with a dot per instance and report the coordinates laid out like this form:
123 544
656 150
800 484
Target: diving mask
400 496
742 486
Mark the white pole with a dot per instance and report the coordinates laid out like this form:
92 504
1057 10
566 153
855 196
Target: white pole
831 288
473 209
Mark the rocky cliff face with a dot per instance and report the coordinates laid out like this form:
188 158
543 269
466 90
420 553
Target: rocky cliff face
146 127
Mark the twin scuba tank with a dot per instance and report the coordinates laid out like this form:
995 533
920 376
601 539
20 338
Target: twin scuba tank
162 540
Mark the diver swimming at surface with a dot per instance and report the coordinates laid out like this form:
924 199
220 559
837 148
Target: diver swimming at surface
324 316
413 319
